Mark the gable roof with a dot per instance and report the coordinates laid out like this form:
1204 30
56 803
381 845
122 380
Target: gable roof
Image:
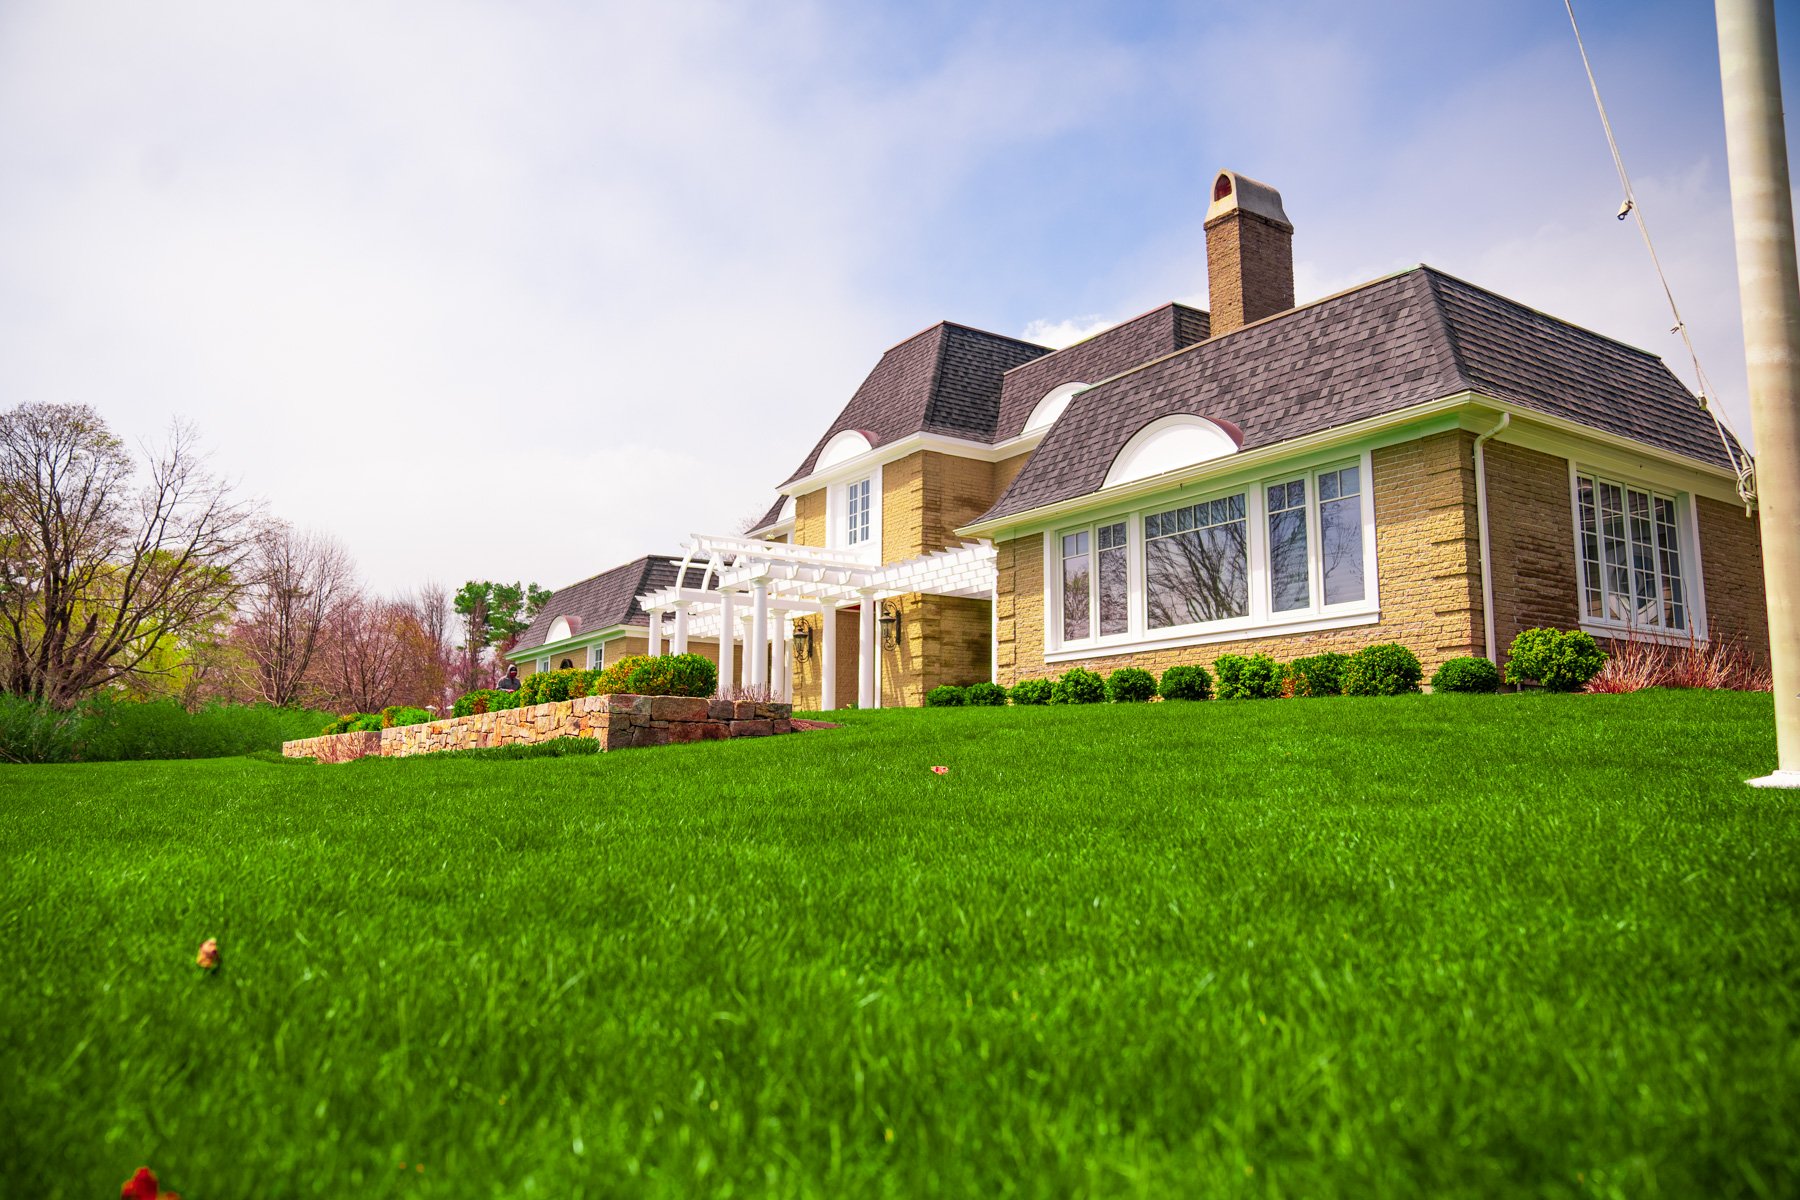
1119 348
1407 339
945 379
605 600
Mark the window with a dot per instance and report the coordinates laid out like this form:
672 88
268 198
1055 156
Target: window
856 513
596 656
1340 525
1096 587
1631 555
1076 593
1289 576
1197 563
543 664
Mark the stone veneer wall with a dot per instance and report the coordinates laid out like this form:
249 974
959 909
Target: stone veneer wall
616 721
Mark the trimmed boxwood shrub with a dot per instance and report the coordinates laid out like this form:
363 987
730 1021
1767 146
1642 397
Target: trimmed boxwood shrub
946 695
355 723
544 686
483 700
1129 685
1563 660
1385 669
1078 685
984 695
1319 674
1186 683
1256 677
667 675
1466 675
1032 691
404 714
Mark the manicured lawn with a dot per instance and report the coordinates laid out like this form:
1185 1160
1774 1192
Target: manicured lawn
1418 947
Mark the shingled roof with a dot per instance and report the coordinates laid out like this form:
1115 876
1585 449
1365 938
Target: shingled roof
945 380
609 598
1125 345
1393 343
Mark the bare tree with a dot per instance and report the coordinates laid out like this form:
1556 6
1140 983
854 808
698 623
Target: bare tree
431 608
295 580
96 571
374 653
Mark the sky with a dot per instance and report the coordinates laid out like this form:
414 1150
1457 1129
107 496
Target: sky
524 290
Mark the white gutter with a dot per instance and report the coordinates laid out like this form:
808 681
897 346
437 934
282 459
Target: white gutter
1481 520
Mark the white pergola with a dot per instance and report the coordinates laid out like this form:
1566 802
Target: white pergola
736 589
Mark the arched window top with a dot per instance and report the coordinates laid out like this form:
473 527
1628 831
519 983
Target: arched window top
1052 405
563 627
1170 443
843 447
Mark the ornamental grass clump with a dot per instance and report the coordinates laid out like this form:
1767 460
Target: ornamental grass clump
1186 682
946 696
1130 685
1252 677
1078 685
1562 660
1032 691
984 695
1466 675
1318 674
1384 669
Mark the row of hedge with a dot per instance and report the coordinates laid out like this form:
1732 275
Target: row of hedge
387 718
635 674
1558 660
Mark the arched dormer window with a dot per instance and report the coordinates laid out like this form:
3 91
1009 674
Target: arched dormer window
1051 406
1170 443
563 627
843 447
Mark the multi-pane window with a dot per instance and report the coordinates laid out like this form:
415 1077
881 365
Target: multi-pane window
1289 582
1096 588
1077 586
1197 563
1341 534
1114 593
1631 568
597 656
856 513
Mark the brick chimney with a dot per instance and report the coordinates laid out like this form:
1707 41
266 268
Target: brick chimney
1249 253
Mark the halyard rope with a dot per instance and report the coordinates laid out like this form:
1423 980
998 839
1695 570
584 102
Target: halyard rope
1741 462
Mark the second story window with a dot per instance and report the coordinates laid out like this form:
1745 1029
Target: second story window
856 513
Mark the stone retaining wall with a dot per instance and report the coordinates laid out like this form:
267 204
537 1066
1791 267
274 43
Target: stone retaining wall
616 721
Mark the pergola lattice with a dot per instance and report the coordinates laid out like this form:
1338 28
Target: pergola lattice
727 588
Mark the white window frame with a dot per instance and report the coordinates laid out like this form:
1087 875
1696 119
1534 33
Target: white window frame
837 516
1687 529
543 664
1260 620
596 656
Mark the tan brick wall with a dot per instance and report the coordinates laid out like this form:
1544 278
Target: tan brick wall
1531 543
809 519
1007 470
1427 556
1731 569
1249 270
807 674
903 514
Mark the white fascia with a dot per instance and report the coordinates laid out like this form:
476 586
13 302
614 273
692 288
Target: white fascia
912 443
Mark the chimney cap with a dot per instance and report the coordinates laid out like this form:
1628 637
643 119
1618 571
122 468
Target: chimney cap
1233 192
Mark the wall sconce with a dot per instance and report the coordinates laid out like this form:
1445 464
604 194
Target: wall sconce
890 624
803 642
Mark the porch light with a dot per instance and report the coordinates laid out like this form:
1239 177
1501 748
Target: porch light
890 624
802 642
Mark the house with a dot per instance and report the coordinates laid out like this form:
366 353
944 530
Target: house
1415 459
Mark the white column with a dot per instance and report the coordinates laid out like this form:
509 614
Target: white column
780 662
681 618
866 694
727 646
743 635
758 650
828 661
655 633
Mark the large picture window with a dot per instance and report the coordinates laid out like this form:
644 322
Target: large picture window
1631 555
1295 550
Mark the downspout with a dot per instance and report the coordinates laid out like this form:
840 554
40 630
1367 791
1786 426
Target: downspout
1481 522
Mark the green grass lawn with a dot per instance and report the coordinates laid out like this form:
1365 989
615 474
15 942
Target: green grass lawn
1426 946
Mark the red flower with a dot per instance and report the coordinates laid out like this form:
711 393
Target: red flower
940 770
208 958
142 1186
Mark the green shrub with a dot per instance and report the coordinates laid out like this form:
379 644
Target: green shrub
1318 674
612 680
483 700
1466 675
1253 677
1078 685
560 747
1186 683
543 687
1130 685
1032 691
1561 660
406 714
946 696
669 675
1386 669
33 732
984 695
106 728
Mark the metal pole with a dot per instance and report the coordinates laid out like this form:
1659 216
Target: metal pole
1769 289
